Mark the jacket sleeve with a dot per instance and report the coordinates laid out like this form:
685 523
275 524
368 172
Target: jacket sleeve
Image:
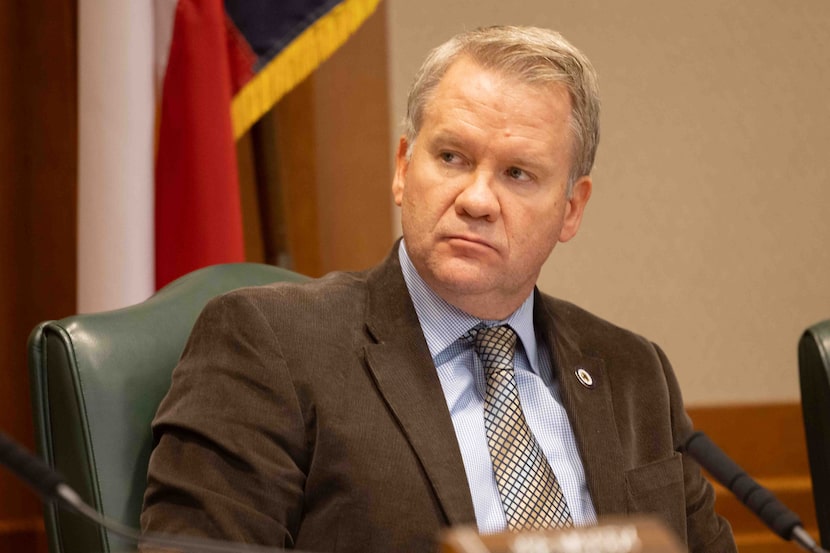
231 449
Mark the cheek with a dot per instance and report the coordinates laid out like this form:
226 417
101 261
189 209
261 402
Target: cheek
535 230
426 194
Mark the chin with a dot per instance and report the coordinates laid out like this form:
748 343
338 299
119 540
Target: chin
462 277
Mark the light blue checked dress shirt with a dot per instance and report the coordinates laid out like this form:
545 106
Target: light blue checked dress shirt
462 378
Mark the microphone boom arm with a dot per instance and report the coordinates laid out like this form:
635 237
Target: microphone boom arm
762 502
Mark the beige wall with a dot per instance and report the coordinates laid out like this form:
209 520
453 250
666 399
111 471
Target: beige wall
709 228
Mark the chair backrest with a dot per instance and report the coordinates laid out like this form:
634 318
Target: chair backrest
814 375
97 381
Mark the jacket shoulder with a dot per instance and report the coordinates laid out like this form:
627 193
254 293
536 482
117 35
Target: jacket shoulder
589 332
337 292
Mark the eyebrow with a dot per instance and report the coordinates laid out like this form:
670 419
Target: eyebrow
534 163
447 137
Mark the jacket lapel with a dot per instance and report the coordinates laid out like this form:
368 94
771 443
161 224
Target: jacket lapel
401 365
589 407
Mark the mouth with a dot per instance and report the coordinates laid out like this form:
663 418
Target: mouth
466 240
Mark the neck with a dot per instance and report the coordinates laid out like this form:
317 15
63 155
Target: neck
488 306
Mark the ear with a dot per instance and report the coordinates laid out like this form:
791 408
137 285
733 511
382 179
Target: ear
401 165
575 207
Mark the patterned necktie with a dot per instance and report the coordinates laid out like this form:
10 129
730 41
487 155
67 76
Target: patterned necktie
530 493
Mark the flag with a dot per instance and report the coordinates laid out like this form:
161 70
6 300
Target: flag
197 206
227 64
165 89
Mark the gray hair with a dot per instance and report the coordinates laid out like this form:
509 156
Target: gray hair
534 56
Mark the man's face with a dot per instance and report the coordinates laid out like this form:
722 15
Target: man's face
484 194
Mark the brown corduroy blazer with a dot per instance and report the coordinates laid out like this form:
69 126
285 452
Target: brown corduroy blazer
311 416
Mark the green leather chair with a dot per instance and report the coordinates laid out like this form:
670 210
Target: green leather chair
97 380
814 375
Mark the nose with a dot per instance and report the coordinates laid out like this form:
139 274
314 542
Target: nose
478 198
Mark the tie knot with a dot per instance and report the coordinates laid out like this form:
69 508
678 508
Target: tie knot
495 346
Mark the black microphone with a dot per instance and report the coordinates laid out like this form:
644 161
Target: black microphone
29 468
777 516
52 487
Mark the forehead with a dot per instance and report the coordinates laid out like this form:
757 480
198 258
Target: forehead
468 78
471 95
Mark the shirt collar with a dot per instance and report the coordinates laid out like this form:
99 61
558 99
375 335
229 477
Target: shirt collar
443 323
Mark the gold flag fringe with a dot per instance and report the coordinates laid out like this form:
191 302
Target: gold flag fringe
296 62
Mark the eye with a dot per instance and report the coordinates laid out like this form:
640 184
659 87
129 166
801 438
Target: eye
518 174
450 158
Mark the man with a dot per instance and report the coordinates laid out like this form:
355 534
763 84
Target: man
366 411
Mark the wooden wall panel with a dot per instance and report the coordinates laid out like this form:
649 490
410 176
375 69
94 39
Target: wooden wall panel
352 158
38 151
